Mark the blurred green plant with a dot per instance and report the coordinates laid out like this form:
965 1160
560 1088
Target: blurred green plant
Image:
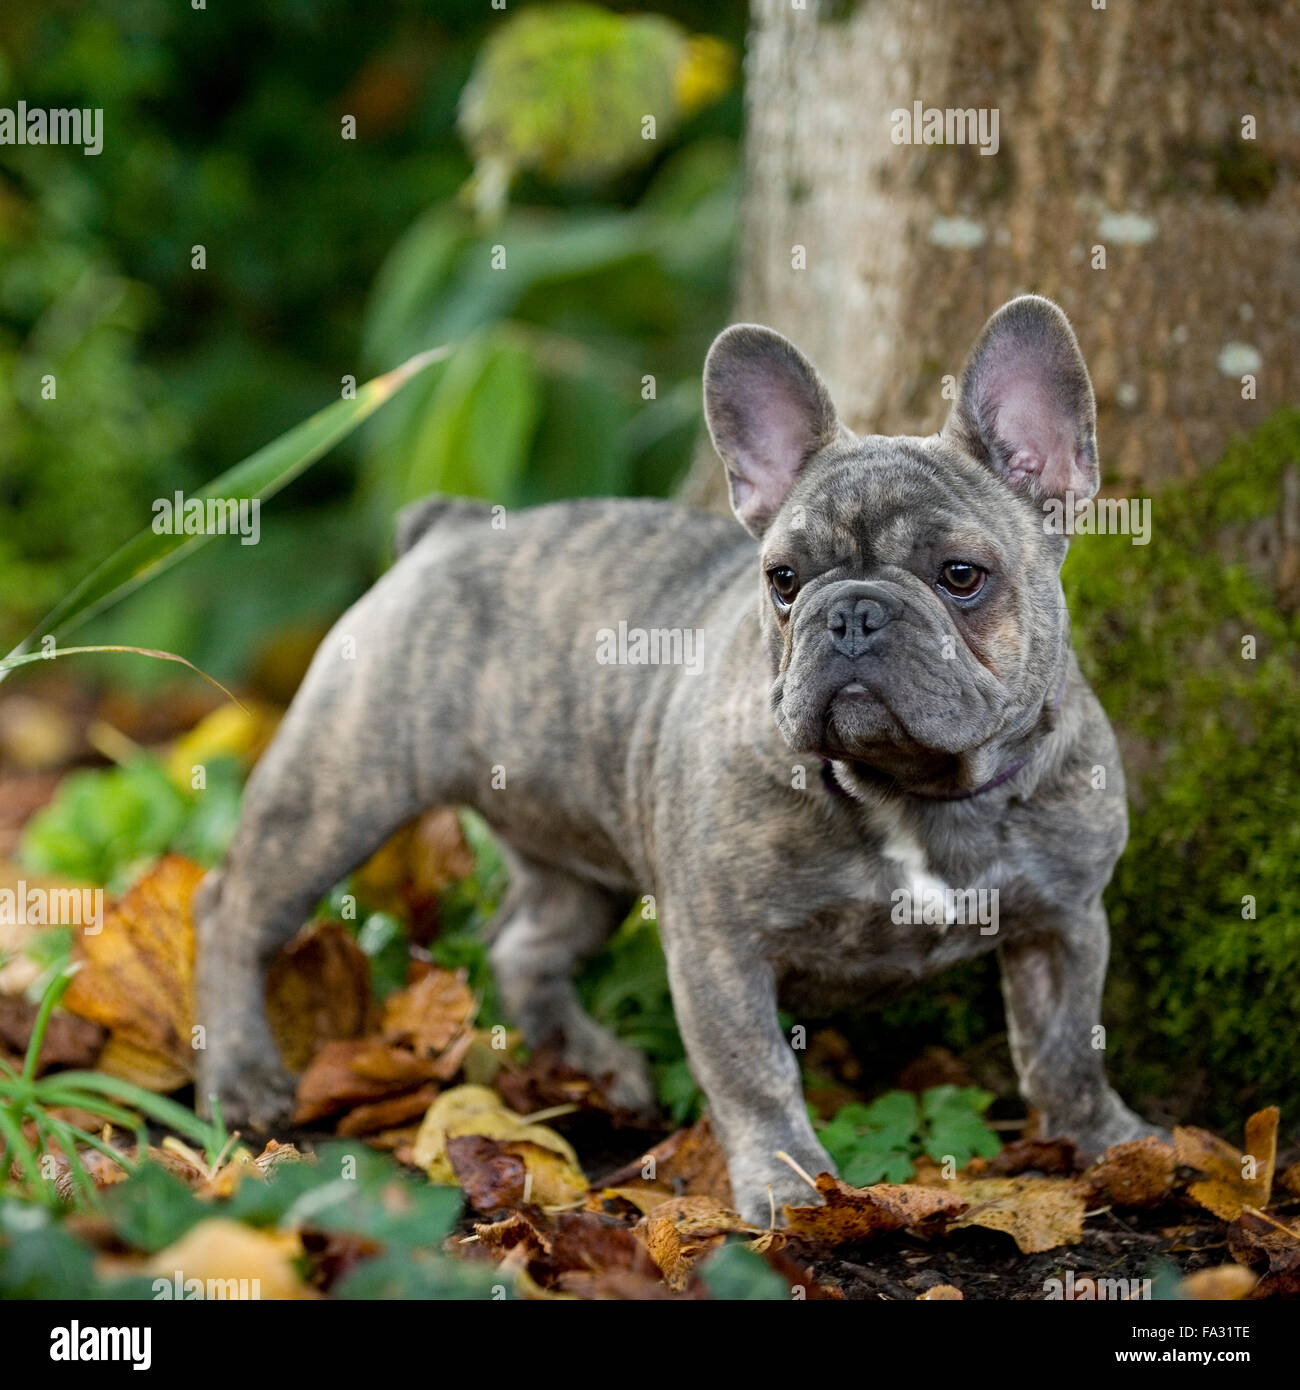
881 1142
568 91
105 825
225 130
399 1222
26 1098
736 1272
582 337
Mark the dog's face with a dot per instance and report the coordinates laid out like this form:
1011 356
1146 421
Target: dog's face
911 594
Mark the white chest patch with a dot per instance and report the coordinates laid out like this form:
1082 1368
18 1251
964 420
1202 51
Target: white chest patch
905 852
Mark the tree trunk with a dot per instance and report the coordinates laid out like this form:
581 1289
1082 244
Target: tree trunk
1124 186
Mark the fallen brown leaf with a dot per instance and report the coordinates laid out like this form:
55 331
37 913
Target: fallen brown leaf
318 991
639 1198
1261 1144
1037 1213
1139 1173
137 980
941 1293
852 1214
495 1173
104 1172
427 1015
478 1110
512 1231
679 1232
597 1257
356 1072
244 1164
407 875
689 1163
388 1114
547 1080
142 1067
69 1041
1255 1238
1226 1190
1050 1156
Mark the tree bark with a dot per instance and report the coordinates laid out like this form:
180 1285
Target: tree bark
1119 128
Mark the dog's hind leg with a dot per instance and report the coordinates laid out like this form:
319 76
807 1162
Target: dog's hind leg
549 922
340 776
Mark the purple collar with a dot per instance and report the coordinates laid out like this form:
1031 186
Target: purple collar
832 785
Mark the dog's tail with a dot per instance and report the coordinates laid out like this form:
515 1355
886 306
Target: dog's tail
419 518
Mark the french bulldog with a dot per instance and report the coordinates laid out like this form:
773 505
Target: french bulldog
862 696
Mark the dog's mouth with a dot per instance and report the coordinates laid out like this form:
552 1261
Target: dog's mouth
862 729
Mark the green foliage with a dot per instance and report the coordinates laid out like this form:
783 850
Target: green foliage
564 90
418 1275
562 342
165 371
386 942
1196 985
953 1127
352 1188
264 473
347 1189
467 911
38 1258
108 824
152 1208
880 1142
626 988
734 1272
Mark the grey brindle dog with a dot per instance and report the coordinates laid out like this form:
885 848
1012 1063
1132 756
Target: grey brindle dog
886 702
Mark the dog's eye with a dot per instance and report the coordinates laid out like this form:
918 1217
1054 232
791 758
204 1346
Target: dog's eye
785 585
960 579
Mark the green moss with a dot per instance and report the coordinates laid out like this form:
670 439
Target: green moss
1244 172
1201 999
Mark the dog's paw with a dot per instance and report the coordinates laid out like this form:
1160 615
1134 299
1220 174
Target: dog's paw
763 1188
622 1072
255 1093
1116 1124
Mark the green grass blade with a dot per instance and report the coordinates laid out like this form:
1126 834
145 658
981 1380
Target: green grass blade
260 475
49 1093
82 1182
158 1108
8 663
17 1150
53 993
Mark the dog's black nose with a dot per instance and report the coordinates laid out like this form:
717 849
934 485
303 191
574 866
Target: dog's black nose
852 621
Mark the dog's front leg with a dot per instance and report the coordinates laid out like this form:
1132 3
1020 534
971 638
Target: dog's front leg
724 997
1052 984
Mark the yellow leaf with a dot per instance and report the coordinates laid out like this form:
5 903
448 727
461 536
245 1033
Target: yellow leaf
231 1260
228 731
477 1110
138 980
1037 1213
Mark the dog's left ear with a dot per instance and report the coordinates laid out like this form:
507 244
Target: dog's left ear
1025 406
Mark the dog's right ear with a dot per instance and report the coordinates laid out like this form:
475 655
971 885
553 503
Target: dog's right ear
768 413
